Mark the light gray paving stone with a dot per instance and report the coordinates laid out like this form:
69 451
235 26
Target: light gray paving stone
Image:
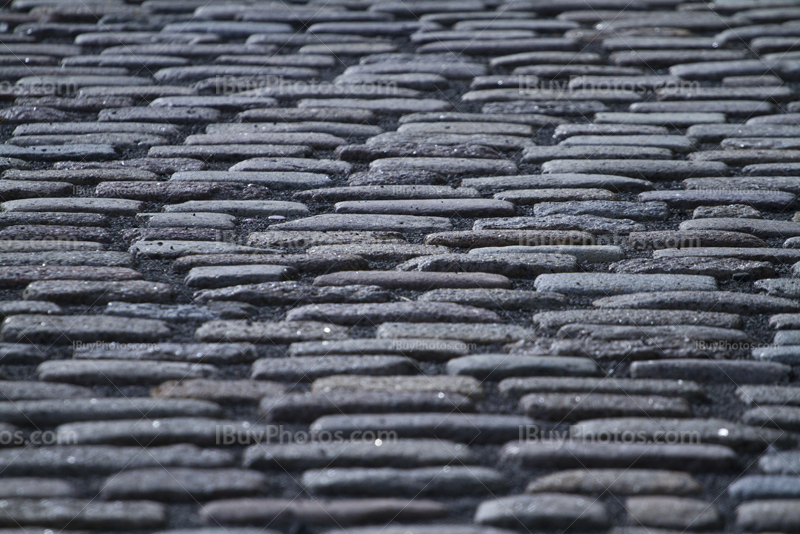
123 140
105 206
532 119
420 349
449 69
466 128
15 189
583 454
167 115
644 210
306 407
557 181
776 94
61 329
720 268
293 165
221 221
535 196
328 513
278 115
310 238
649 429
12 354
21 390
96 293
729 107
672 512
274 180
613 284
14 307
510 265
333 131
545 510
709 132
785 321
55 233
576 407
413 312
241 208
216 353
183 484
617 481
466 332
537 94
674 143
379 252
435 146
674 120
228 152
700 300
781 417
194 430
369 223
563 221
759 487
656 170
756 254
500 366
745 157
309 368
448 385
634 317
552 57
315 140
56 412
768 200
726 211
464 428
738 371
422 481
103 372
766 395
214 277
505 238
517 387
583 253
236 391
182 313
169 249
401 453
268 332
293 293
779 462
156 165
178 192
568 130
780 287
466 208
68 128
400 192
446 165
381 105
80 176
504 299
79 513
655 347
418 280
37 488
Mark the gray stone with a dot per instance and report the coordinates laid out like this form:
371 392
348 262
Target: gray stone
217 353
775 255
466 332
467 208
780 287
56 412
587 454
504 238
499 366
241 208
419 349
81 176
583 253
419 280
673 512
421 481
739 211
768 200
182 313
378 252
169 249
642 211
445 165
617 284
329 513
105 206
535 196
103 372
506 264
324 166
194 430
303 239
504 299
274 180
315 140
167 115
720 268
33 488
284 293
76 461
557 181
652 169
79 513
766 395
617 482
516 387
383 105
392 453
737 371
547 153
305 407
214 277
34 390
699 300
400 192
94 293
782 417
575 407
228 152
369 223
413 312
759 487
309 368
464 428
675 120
183 484
632 317
233 391
62 329
448 385
545 510
267 332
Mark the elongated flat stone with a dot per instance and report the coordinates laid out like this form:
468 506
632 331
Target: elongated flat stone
379 252
551 511
610 284
691 239
87 292
517 387
369 223
633 317
413 348
642 210
414 312
758 487
765 395
499 366
506 238
105 206
422 481
576 407
744 372
503 299
700 300
223 391
182 484
401 453
283 293
720 268
66 328
655 170
768 200
464 428
511 265
466 332
461 385
413 279
214 277
80 513
267 332
448 208
309 368
672 512
120 372
617 481
534 196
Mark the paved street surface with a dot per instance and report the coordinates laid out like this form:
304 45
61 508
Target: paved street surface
399 267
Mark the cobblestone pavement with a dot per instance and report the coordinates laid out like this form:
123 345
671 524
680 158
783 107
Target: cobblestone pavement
399 267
